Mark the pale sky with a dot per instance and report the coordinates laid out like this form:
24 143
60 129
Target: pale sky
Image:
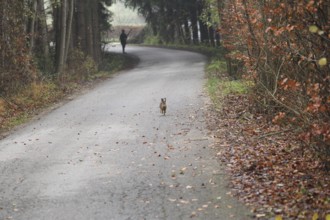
125 16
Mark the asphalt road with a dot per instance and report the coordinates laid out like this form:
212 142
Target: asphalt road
110 154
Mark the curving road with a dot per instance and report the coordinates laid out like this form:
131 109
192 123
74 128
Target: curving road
110 154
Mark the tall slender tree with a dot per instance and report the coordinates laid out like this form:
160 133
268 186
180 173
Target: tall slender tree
61 41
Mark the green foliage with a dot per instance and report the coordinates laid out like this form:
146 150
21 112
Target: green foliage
89 66
113 62
105 16
235 87
216 66
218 88
210 13
44 64
212 86
172 21
36 95
18 120
153 40
218 83
80 67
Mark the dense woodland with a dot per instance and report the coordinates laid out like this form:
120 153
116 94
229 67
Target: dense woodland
281 47
31 47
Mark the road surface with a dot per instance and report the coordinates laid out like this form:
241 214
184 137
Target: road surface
110 154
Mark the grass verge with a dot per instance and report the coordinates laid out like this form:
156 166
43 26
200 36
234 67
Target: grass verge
219 85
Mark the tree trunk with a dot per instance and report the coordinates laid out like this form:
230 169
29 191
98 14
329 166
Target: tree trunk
69 29
62 41
187 35
96 32
194 25
43 29
204 33
32 25
3 36
203 28
89 28
80 35
179 36
211 36
162 24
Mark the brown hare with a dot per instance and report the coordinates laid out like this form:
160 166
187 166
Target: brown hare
163 106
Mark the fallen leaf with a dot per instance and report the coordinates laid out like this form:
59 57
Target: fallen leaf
313 28
278 217
260 215
170 147
184 201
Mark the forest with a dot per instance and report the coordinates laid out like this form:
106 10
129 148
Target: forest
281 48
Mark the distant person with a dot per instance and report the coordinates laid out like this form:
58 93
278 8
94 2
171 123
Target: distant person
217 38
123 39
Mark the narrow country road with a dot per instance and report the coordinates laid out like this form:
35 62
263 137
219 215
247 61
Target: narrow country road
110 154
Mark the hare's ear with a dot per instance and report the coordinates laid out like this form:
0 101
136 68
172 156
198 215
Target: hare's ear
164 99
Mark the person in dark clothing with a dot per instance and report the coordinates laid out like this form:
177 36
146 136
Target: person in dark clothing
123 39
217 37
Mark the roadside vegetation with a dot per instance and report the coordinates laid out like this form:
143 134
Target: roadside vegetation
49 50
18 108
219 85
271 170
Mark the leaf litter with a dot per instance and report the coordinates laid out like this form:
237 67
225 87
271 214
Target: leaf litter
269 169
